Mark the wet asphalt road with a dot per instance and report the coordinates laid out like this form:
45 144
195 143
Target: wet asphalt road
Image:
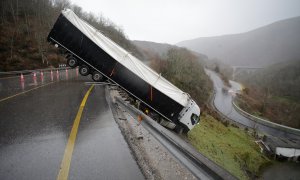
35 127
223 102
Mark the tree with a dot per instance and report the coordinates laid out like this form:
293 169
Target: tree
183 69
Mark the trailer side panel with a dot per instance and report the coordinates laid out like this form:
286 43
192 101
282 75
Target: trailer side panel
66 34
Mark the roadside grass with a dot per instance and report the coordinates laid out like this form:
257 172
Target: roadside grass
230 147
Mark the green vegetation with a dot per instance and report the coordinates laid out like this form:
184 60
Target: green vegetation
24 27
230 147
282 79
273 93
280 110
184 70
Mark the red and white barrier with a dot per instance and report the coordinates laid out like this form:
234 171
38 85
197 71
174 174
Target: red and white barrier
22 77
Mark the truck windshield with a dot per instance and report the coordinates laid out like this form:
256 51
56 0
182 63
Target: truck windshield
195 119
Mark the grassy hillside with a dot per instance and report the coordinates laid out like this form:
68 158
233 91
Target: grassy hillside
24 27
230 147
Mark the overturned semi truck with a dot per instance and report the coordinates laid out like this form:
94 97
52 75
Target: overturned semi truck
99 56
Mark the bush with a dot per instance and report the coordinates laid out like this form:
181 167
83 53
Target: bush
183 69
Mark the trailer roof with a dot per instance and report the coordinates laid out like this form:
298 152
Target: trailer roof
127 60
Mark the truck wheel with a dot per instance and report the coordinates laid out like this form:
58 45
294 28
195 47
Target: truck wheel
84 70
185 130
97 76
72 62
178 129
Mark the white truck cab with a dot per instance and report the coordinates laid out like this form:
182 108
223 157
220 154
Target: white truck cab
190 115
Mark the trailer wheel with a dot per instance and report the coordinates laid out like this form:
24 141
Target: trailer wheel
72 62
84 70
97 76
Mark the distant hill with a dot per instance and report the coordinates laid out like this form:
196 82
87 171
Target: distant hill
151 49
264 46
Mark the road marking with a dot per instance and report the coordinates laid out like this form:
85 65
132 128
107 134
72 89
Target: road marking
66 162
9 97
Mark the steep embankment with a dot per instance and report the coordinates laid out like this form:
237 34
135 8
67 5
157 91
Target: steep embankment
230 147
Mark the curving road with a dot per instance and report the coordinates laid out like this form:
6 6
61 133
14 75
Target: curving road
223 103
36 117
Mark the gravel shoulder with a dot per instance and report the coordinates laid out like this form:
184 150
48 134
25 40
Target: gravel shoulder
155 161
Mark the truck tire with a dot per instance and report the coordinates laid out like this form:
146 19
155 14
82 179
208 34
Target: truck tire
84 70
72 62
179 130
97 77
185 130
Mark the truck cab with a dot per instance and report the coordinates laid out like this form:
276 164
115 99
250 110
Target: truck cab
190 115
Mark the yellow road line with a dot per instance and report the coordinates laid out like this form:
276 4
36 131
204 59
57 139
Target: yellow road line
9 97
66 162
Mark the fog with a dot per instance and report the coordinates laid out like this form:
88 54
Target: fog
172 21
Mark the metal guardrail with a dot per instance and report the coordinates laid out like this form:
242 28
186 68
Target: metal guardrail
266 122
253 118
199 165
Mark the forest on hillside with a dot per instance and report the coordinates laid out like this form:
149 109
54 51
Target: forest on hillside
283 79
183 69
274 93
25 24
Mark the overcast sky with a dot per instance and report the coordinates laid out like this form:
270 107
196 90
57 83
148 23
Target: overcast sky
171 21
